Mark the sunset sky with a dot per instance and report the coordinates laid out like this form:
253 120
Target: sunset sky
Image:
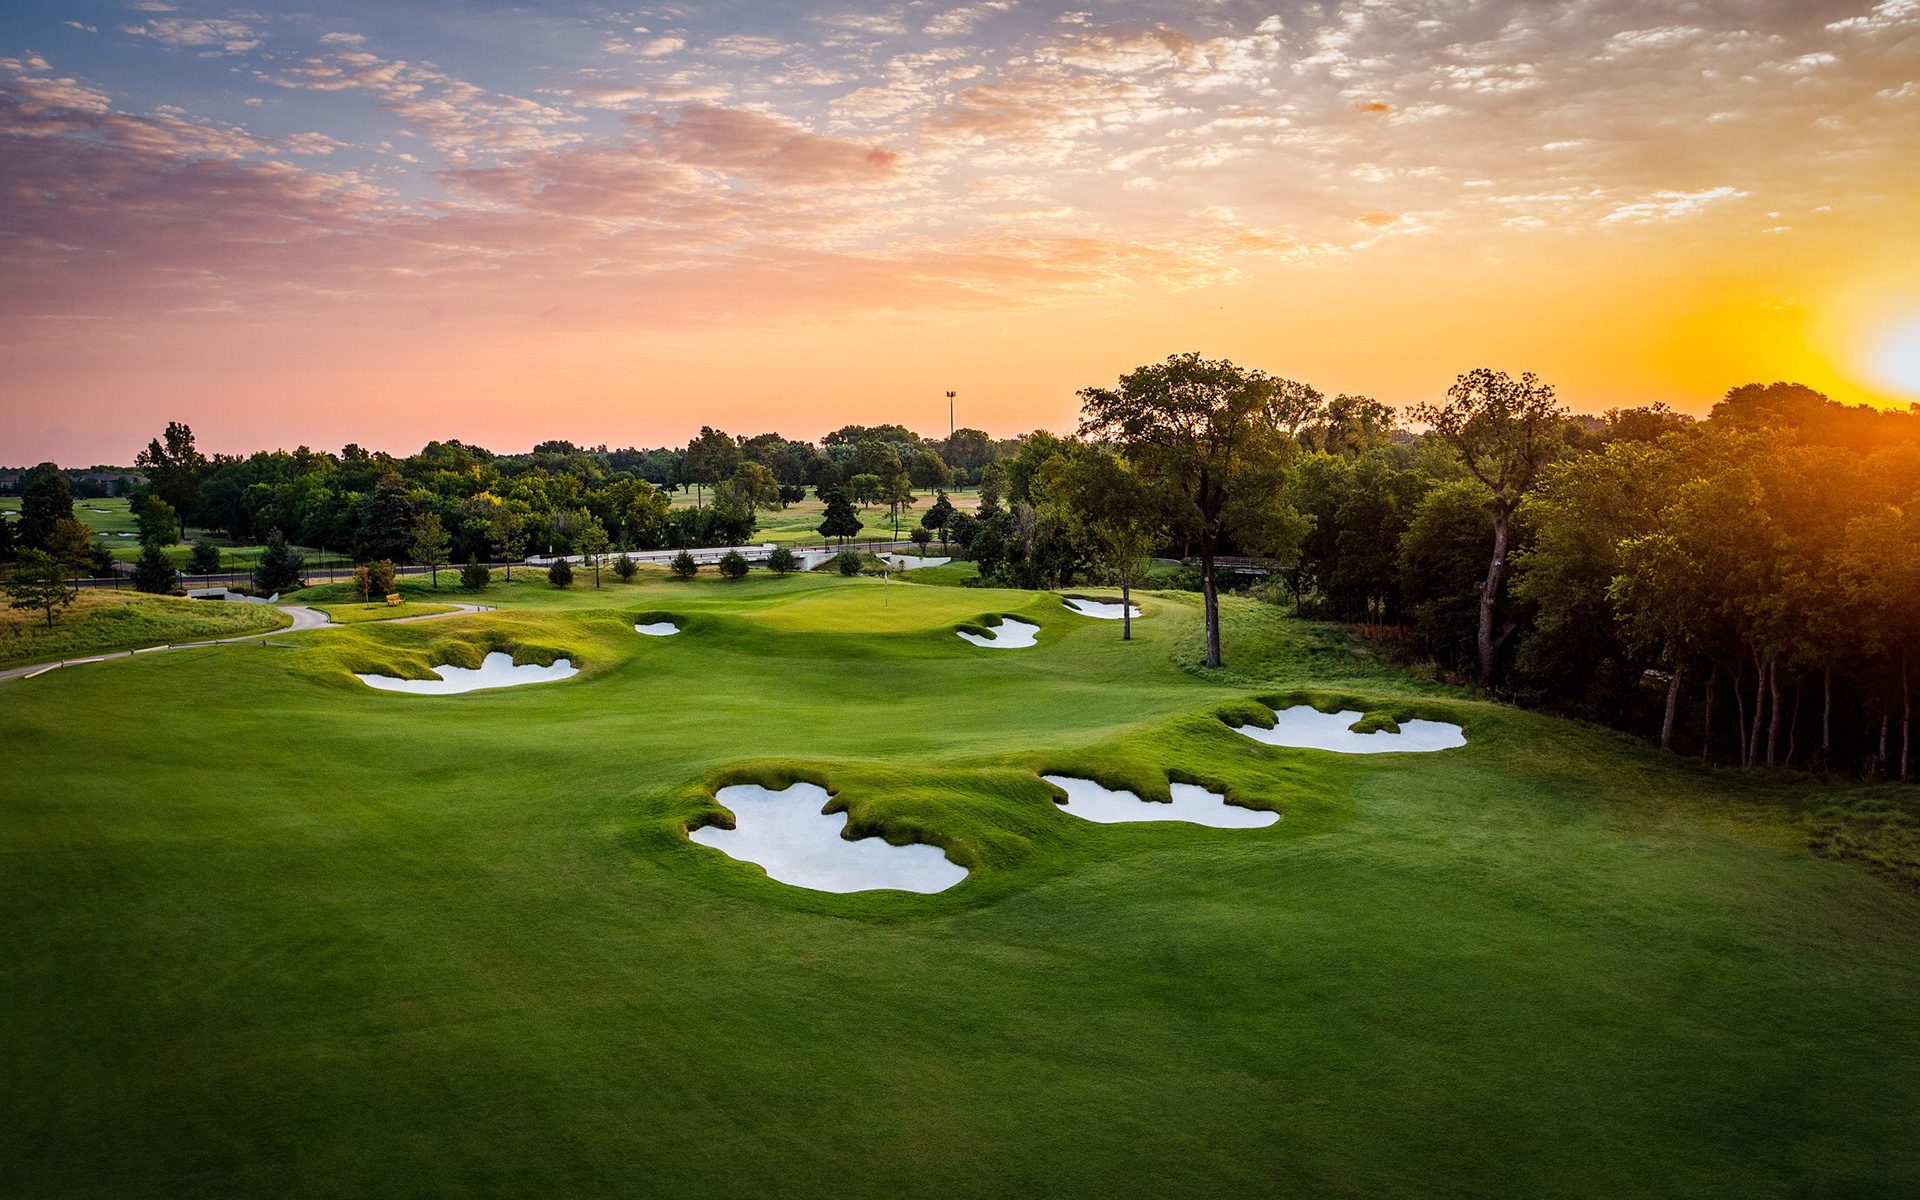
387 223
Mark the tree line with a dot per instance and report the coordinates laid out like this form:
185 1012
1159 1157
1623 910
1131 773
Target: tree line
1745 587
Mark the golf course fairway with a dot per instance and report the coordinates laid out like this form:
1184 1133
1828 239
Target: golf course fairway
295 936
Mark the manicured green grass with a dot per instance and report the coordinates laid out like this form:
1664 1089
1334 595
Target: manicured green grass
800 521
291 935
349 614
104 622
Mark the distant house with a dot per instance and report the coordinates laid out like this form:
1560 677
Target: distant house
9 481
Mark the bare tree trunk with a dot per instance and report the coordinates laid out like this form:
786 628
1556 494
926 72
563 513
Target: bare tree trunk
1706 726
1759 710
1826 715
1489 594
1906 715
1212 600
1773 721
1793 719
1673 705
1126 608
1740 714
1883 737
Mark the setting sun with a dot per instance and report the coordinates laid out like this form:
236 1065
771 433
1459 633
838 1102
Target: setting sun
1895 363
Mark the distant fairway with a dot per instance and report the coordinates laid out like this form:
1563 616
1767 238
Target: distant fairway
293 936
800 521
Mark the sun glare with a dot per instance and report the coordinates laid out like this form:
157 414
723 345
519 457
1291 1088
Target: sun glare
1896 356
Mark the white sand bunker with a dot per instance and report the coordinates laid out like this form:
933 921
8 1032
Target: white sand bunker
1192 803
786 833
658 629
1306 728
1009 634
1106 610
496 671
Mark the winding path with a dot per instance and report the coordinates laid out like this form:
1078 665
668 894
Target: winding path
304 618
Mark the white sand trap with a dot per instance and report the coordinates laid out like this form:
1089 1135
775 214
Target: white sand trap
496 671
1009 634
1106 610
1306 728
786 833
658 629
1191 802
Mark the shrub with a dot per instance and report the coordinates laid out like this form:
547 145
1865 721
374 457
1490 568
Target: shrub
205 559
154 572
560 574
849 562
684 566
624 568
921 537
475 575
374 579
733 565
783 560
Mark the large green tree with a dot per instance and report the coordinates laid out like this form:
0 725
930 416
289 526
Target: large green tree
840 520
158 522
1504 430
47 501
175 469
711 457
1211 437
1112 512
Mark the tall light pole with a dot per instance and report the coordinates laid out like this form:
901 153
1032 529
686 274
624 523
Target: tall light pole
949 416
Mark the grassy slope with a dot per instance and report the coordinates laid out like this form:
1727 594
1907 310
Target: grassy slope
474 955
101 622
358 611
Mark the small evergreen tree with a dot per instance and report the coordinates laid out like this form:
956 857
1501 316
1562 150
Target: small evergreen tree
475 576
37 583
849 562
733 565
624 568
921 537
560 574
782 560
205 559
280 568
154 572
684 566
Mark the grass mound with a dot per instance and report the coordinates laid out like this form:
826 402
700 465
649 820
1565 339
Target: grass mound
353 614
104 622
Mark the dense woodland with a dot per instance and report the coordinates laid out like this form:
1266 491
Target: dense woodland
1745 588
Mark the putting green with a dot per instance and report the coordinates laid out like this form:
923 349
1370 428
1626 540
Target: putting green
289 935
